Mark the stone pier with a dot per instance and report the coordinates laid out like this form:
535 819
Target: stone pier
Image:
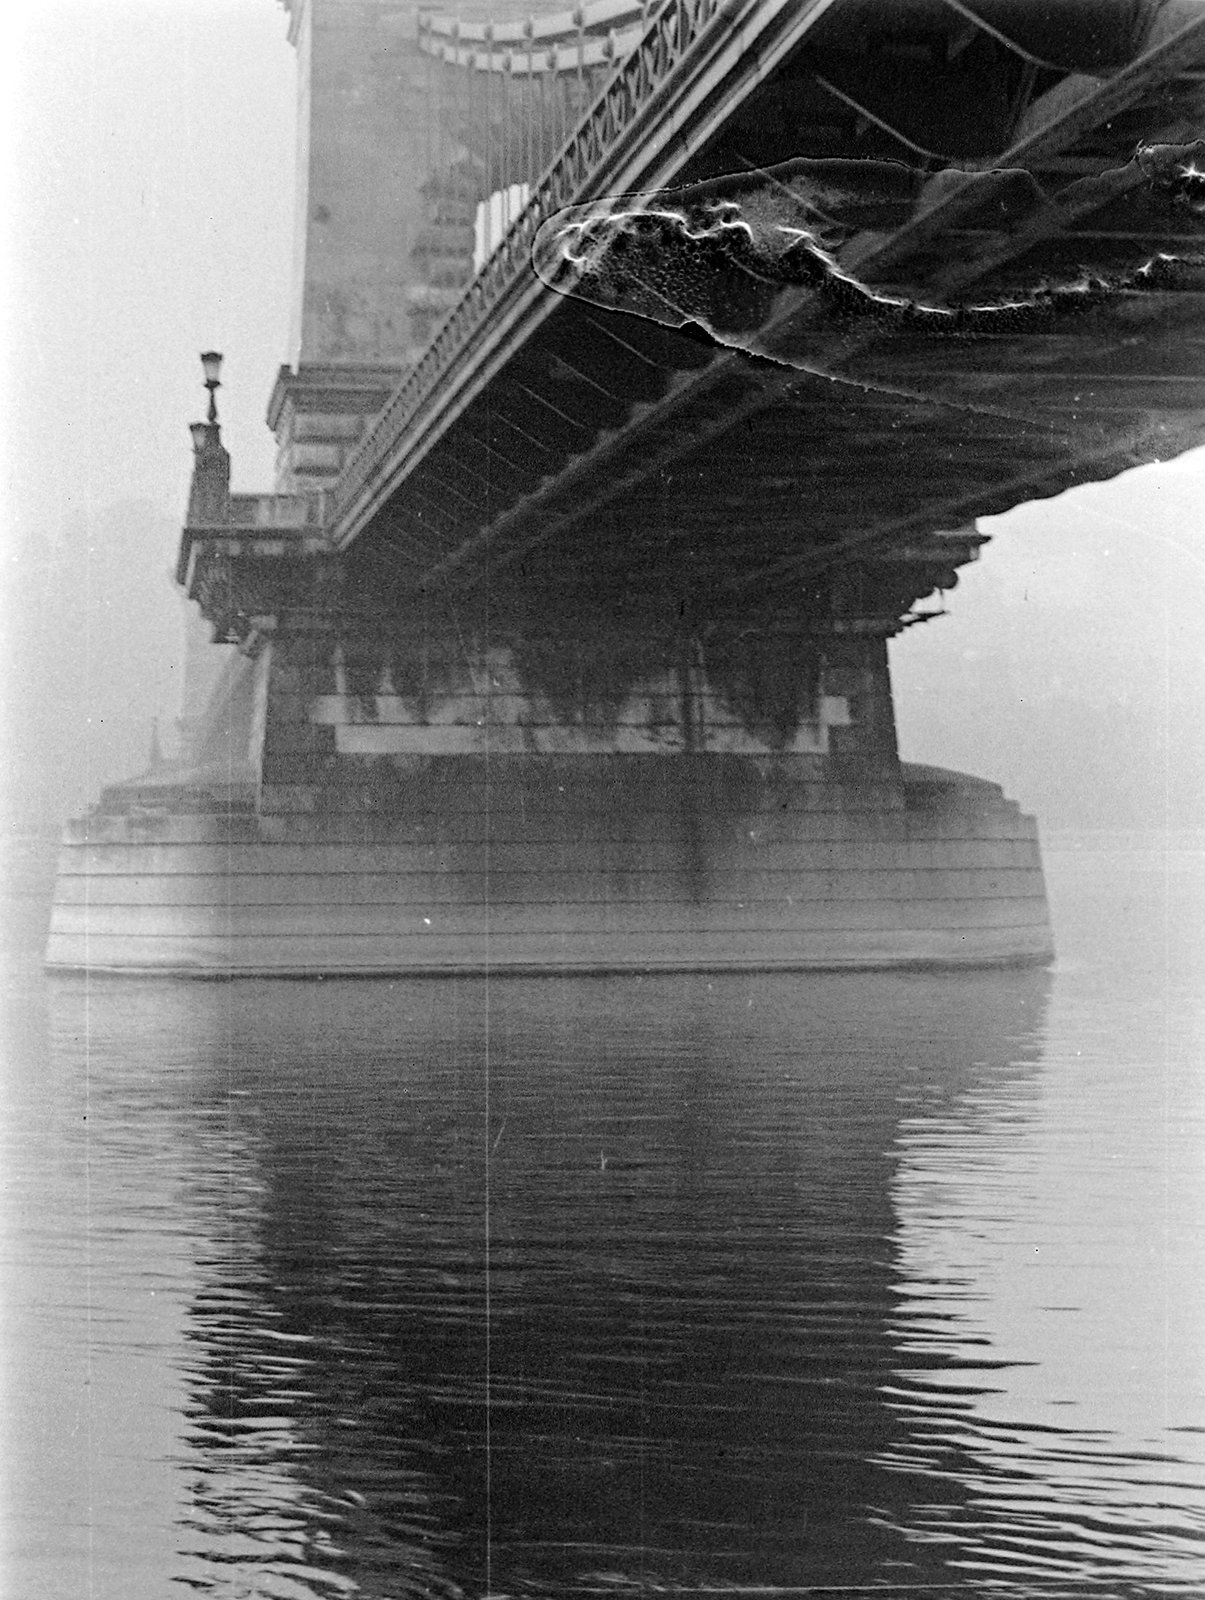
362 807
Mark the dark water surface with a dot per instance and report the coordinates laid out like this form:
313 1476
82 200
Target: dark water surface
745 1285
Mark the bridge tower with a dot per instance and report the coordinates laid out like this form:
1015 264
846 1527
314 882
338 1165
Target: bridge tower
563 633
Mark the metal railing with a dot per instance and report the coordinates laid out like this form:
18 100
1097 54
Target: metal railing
595 34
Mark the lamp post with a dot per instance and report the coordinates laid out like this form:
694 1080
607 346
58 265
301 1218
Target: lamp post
209 495
211 365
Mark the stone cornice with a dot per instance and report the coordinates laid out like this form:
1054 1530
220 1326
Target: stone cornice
334 387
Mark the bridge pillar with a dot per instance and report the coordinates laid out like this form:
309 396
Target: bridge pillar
383 243
360 160
362 156
422 796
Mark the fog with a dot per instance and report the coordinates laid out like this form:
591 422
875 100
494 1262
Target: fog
150 185
1070 665
150 196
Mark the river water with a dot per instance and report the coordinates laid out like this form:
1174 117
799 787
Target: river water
750 1285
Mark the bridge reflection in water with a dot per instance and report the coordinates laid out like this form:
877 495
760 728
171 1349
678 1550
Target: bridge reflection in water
529 1288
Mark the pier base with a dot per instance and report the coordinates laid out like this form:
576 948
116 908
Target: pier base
521 864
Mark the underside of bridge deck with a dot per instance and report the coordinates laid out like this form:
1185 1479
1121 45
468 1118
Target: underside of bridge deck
995 291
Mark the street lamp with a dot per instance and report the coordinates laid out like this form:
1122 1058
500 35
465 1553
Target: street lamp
209 495
211 365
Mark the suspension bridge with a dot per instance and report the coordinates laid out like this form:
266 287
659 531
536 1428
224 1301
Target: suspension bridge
651 365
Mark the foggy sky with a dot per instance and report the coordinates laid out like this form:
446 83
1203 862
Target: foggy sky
150 198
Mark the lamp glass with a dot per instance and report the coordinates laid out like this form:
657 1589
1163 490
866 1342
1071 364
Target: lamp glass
200 435
211 365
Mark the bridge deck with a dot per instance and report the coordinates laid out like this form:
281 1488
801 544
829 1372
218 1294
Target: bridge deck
544 421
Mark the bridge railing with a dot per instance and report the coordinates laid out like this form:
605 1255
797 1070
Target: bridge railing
596 33
673 29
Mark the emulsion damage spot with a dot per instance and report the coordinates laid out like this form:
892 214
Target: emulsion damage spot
758 260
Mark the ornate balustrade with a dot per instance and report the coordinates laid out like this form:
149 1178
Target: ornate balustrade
223 564
594 35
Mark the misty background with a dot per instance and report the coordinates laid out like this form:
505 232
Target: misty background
149 190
